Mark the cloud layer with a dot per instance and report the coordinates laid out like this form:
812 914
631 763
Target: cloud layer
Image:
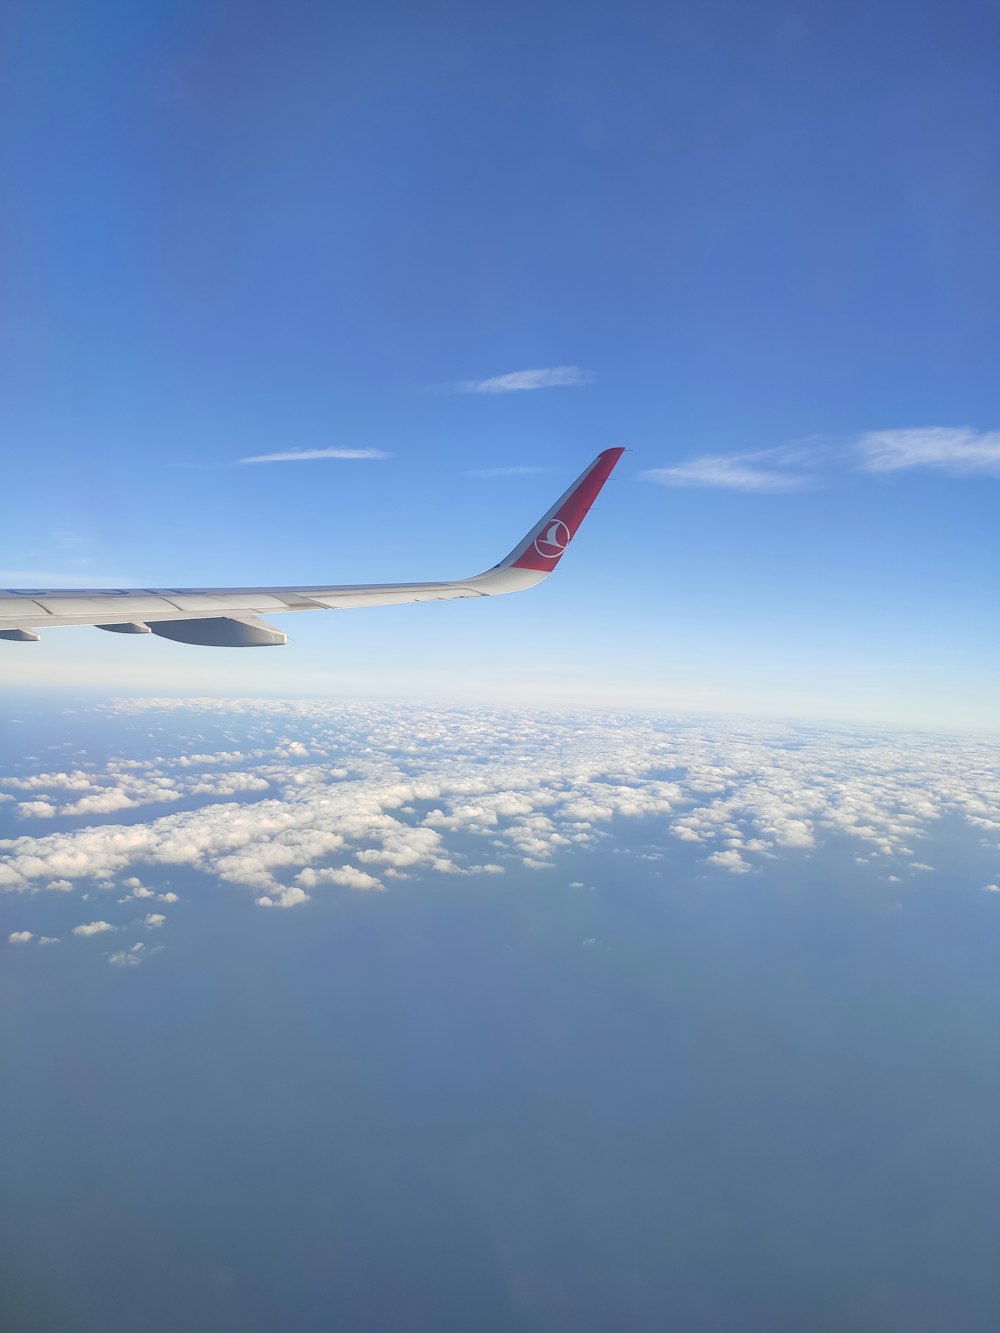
321 798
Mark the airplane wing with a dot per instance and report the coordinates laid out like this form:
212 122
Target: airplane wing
230 617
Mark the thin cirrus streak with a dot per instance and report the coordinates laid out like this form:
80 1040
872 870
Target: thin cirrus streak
957 451
520 381
310 455
766 470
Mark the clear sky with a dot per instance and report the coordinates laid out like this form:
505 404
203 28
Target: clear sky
755 243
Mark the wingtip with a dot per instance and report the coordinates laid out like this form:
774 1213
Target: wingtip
544 546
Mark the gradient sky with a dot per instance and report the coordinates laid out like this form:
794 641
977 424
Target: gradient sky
757 243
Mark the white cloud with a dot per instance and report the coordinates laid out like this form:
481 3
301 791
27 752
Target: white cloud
309 455
100 803
136 889
199 760
154 920
288 897
957 450
991 888
471 791
93 928
348 876
75 781
130 957
20 936
730 860
518 381
229 784
768 470
36 809
169 897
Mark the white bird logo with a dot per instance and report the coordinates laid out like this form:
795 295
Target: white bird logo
551 543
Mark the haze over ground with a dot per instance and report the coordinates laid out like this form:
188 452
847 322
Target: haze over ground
369 1016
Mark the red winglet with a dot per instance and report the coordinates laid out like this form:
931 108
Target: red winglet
546 542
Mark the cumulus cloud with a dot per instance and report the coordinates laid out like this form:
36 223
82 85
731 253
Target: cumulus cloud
729 860
229 784
519 381
100 803
310 455
349 876
136 889
21 936
36 809
200 760
287 897
130 957
75 781
472 792
93 928
154 920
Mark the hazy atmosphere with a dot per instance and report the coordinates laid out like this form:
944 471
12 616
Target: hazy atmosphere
618 954
426 1017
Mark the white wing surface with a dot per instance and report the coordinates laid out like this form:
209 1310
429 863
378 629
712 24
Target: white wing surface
231 617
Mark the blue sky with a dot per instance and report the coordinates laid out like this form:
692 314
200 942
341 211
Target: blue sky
761 234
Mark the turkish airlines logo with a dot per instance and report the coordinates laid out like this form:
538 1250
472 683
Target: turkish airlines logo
551 543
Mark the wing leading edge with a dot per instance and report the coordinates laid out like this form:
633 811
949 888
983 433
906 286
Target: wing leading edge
230 617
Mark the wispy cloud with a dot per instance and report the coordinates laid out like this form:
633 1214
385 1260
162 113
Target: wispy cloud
768 470
959 450
518 381
309 455
518 471
129 957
